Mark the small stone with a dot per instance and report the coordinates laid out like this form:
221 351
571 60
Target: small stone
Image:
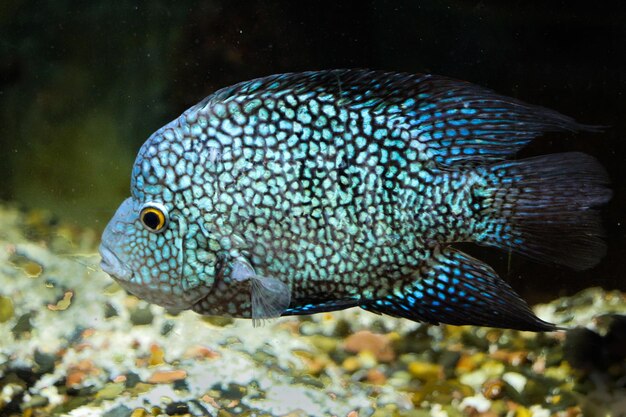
166 377
378 344
140 388
493 389
23 325
425 371
139 412
468 363
132 379
110 391
176 408
167 327
6 309
324 343
77 372
308 380
180 385
44 361
218 320
343 328
30 267
515 358
376 377
234 392
315 364
200 352
119 411
210 400
110 311
157 356
367 359
35 402
141 316
515 380
64 303
448 360
351 364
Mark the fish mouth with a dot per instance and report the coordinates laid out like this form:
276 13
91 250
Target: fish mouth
112 265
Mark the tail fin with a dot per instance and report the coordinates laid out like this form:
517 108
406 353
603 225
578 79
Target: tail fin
542 207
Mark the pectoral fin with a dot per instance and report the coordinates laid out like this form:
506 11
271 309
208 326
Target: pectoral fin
270 297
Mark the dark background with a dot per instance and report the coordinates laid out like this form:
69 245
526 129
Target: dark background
83 84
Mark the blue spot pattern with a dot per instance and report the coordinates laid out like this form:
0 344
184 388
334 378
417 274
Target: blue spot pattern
456 287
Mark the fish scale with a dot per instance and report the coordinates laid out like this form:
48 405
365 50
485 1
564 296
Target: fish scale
307 192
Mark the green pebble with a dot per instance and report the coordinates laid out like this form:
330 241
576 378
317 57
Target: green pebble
23 325
119 411
110 391
308 380
234 392
167 328
323 343
448 359
499 407
34 402
343 328
109 311
132 379
472 339
45 361
176 408
141 316
534 392
218 321
6 309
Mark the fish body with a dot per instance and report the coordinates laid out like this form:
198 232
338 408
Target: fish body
317 191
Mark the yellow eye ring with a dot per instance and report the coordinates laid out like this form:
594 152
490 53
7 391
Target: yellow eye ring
153 217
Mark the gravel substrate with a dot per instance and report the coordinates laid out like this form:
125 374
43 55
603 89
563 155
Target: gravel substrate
73 343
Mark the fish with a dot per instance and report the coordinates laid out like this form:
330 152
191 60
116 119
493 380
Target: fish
318 191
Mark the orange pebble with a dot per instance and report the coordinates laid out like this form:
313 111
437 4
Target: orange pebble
166 377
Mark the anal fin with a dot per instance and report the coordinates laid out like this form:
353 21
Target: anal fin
312 306
460 290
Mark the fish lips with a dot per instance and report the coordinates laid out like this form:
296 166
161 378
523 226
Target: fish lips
112 265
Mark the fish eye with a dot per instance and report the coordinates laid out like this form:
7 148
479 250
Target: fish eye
153 216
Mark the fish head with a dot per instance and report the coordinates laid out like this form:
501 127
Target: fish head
153 254
153 246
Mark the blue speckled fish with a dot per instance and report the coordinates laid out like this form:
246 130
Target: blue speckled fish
319 191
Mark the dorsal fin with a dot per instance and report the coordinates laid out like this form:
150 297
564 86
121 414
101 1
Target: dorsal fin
449 121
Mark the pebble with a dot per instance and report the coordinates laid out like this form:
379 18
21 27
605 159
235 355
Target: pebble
119 411
515 380
176 408
166 377
378 344
6 309
141 316
110 391
425 371
35 402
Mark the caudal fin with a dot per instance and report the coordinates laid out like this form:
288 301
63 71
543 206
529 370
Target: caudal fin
543 207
